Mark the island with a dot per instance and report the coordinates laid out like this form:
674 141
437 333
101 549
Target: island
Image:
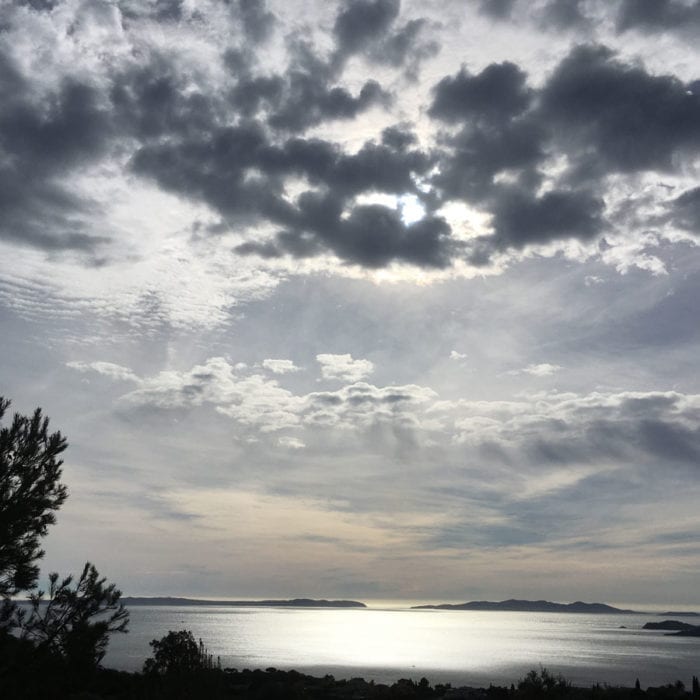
293 603
680 629
513 605
682 613
693 631
667 625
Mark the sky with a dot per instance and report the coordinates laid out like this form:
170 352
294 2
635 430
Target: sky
366 299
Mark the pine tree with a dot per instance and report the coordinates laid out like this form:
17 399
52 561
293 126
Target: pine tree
73 624
30 492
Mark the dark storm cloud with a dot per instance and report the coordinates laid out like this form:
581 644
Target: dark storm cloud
477 156
160 10
564 14
498 134
619 114
151 101
217 167
368 27
594 107
686 210
39 5
40 140
554 14
304 95
497 9
606 116
258 21
362 22
658 15
407 47
498 93
520 219
239 148
372 235
306 102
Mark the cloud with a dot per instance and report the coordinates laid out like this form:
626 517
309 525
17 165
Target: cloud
107 369
364 21
604 108
520 219
658 15
544 369
686 210
565 14
477 156
645 431
343 367
227 131
362 406
251 400
280 366
291 442
498 93
496 9
43 138
369 27
454 355
258 21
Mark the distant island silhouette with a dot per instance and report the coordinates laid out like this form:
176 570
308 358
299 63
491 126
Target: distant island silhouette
676 613
513 605
293 603
680 629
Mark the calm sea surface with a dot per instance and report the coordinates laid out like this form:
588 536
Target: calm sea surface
461 647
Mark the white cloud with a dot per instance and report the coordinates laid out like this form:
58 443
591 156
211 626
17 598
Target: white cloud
280 366
544 369
291 442
540 429
343 367
454 355
107 369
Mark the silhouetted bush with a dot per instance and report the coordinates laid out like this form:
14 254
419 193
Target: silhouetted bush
178 653
542 683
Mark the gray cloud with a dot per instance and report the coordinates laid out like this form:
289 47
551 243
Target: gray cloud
478 155
258 21
520 219
686 210
362 22
498 93
555 429
233 148
565 14
369 27
658 15
40 140
497 9
604 109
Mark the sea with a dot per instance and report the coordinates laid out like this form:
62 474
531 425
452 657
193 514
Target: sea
464 648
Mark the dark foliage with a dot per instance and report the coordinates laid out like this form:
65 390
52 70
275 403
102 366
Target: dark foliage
216 684
30 492
74 623
57 641
177 654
